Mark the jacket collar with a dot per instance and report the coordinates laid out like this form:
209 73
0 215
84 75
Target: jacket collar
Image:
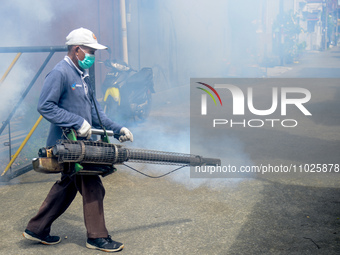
83 74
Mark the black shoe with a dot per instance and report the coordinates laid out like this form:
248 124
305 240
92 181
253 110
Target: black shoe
104 244
42 239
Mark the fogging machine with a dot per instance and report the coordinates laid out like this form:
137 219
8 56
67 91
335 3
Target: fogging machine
72 156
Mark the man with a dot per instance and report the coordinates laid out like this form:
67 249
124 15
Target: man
66 102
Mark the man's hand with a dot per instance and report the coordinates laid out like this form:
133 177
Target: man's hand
125 135
85 130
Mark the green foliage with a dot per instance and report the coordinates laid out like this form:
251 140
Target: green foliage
286 27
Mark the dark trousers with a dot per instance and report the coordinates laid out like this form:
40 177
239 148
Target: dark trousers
61 196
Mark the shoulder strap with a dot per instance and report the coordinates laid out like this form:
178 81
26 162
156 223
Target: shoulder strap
104 137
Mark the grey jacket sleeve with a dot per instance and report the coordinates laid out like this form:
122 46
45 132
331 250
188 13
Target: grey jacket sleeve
48 103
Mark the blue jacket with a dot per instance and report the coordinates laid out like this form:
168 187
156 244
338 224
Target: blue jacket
64 103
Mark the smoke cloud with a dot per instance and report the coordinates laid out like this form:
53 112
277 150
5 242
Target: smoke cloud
178 39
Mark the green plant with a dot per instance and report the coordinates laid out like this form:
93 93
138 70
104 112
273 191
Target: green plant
286 27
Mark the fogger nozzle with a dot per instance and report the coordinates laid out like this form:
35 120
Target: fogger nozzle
108 154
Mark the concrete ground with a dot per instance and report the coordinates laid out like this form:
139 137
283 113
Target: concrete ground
266 214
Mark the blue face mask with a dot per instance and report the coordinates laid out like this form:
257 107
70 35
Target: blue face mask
87 62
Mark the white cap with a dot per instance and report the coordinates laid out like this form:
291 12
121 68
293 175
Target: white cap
83 36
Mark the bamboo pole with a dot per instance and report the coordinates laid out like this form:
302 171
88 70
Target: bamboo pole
10 67
22 145
124 31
